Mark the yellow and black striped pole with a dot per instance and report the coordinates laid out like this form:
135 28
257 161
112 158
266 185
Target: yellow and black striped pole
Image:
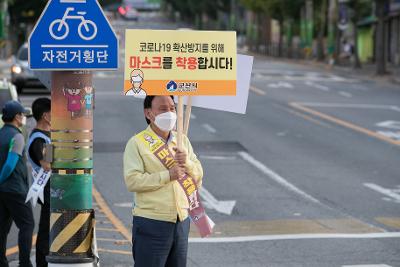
72 215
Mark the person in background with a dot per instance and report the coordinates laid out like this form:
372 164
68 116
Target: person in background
40 136
14 184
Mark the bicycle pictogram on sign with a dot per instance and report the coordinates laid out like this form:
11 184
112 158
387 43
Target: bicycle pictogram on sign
59 28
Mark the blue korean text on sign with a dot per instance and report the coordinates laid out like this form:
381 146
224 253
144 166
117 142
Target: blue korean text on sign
73 35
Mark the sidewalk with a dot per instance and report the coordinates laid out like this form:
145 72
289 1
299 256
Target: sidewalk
367 72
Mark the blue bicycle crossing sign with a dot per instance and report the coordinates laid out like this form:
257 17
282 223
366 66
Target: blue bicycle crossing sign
73 35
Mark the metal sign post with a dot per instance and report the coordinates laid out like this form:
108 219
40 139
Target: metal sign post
67 41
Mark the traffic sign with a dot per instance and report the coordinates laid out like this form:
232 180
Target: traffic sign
73 35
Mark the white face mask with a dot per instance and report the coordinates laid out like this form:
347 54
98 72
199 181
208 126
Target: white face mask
166 121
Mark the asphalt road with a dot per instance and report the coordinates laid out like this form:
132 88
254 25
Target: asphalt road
313 168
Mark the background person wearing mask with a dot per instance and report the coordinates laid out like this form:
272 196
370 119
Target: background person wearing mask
14 184
161 225
41 109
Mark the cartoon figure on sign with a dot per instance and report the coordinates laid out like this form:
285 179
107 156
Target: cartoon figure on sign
88 100
73 100
137 78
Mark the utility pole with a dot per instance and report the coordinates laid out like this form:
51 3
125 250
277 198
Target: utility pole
380 40
321 31
331 30
72 215
309 26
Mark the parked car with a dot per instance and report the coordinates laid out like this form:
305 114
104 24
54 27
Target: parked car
128 12
9 92
142 5
21 76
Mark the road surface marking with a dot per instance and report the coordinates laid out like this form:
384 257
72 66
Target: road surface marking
290 227
341 105
368 265
224 207
114 251
104 222
308 118
121 241
124 205
345 94
257 91
281 85
389 124
106 229
14 249
276 177
344 123
239 239
390 134
107 211
394 196
318 86
218 157
393 222
209 128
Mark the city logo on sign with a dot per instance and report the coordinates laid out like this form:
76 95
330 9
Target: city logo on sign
73 35
172 86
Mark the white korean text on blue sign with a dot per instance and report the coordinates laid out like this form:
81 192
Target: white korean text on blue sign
73 35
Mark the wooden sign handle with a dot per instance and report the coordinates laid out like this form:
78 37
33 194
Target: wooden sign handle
188 111
180 121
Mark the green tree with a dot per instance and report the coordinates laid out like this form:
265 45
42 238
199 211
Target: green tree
253 30
194 9
280 10
321 10
23 14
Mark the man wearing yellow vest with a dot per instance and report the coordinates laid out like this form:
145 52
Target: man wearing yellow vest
152 167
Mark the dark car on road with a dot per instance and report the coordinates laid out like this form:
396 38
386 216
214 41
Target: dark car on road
21 76
142 5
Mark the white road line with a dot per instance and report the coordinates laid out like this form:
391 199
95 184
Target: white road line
124 205
390 134
385 191
345 94
209 128
318 86
280 85
239 239
276 177
257 91
218 157
224 207
389 124
368 265
340 105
